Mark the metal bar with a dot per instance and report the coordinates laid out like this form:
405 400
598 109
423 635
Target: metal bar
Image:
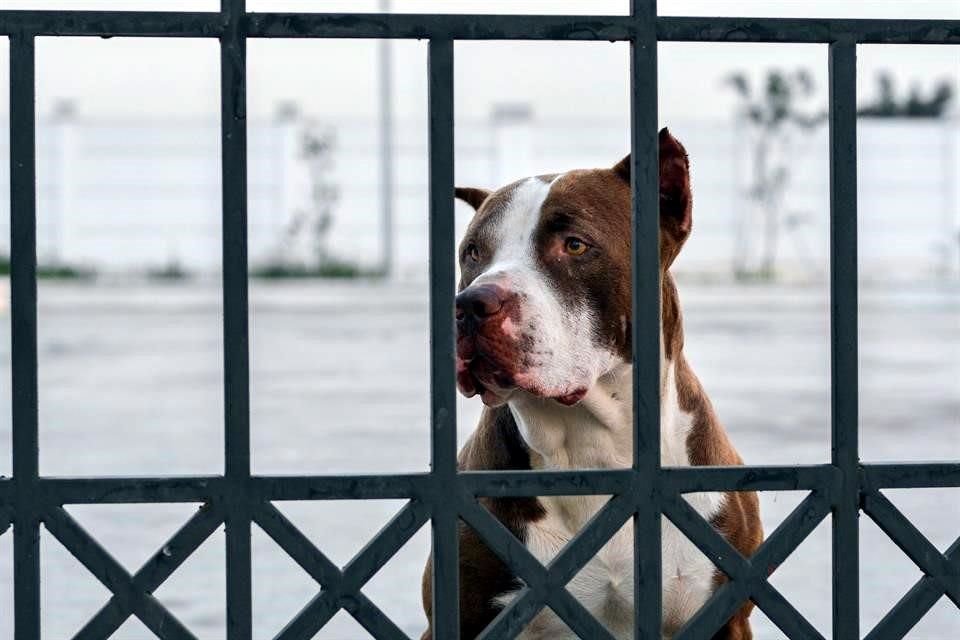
812 30
913 543
361 568
576 616
233 123
544 585
912 606
155 572
500 484
844 389
706 538
233 70
513 618
113 576
504 484
775 478
347 487
916 475
164 24
323 570
133 490
645 320
740 569
439 26
515 555
782 613
591 538
477 27
60 491
506 546
721 605
781 543
371 618
23 328
296 545
792 531
443 400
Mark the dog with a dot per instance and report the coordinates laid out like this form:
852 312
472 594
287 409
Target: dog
544 338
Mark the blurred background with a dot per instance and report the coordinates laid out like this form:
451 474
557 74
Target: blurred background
130 333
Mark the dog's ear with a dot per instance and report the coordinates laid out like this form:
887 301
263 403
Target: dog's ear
472 196
676 199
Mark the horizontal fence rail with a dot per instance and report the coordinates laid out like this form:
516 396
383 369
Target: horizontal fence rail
444 497
476 27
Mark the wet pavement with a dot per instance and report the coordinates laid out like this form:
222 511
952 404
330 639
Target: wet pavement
131 384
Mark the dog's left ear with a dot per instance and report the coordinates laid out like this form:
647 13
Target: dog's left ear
676 200
472 196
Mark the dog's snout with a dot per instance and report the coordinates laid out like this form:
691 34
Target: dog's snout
480 302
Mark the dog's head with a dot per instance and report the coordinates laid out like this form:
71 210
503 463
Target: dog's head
544 302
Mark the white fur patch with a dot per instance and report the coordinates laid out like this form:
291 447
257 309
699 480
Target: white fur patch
597 433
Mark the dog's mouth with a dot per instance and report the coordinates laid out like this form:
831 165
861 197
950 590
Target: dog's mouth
478 374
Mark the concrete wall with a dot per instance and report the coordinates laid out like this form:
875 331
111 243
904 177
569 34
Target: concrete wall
129 195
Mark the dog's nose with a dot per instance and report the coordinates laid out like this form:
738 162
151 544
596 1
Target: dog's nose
480 301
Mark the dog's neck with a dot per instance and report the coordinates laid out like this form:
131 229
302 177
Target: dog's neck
597 433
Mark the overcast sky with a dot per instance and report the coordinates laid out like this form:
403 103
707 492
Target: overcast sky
133 78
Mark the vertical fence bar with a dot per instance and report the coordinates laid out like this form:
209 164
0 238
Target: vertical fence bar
233 123
843 337
443 408
644 172
23 294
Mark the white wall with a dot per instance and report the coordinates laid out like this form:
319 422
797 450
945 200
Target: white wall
127 195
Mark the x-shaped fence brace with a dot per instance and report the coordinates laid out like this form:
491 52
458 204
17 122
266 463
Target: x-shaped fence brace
544 586
942 570
133 595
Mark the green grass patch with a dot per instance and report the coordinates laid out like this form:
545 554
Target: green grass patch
53 271
332 269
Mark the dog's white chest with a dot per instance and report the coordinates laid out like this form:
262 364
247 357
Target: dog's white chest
605 585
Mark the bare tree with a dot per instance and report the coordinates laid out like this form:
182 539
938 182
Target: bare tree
773 115
312 223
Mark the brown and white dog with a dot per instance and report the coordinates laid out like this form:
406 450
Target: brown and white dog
543 336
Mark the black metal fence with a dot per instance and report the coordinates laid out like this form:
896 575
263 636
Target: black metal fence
443 496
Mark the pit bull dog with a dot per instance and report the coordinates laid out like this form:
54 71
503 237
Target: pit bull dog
543 337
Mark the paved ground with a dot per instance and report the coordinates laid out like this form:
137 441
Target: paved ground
131 384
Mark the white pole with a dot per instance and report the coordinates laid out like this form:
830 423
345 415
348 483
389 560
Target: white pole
386 150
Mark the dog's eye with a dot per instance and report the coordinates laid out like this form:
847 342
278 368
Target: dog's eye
472 253
575 246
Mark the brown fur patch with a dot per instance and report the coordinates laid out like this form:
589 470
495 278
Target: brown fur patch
739 518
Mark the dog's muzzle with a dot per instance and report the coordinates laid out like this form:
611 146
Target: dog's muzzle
497 353
488 356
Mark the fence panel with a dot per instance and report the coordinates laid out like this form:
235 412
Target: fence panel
643 492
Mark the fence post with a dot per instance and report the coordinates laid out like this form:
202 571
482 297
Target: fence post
443 399
645 313
844 390
233 123
23 329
